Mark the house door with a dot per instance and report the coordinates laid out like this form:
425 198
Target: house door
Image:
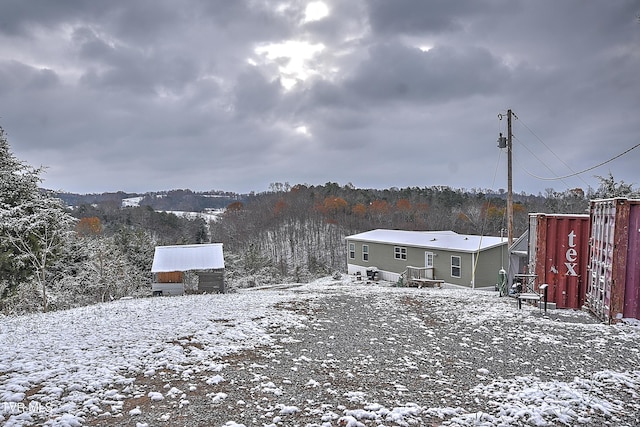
428 263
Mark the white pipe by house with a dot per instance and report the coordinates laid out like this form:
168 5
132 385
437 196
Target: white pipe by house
473 272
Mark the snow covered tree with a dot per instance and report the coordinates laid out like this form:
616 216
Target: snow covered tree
18 184
33 225
37 229
94 269
610 188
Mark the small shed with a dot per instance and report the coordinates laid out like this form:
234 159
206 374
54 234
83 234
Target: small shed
170 262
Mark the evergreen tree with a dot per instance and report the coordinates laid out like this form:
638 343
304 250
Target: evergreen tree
33 225
610 188
18 184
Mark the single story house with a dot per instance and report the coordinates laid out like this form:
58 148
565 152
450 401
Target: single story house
456 259
170 262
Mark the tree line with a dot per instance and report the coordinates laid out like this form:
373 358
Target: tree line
53 256
177 200
298 231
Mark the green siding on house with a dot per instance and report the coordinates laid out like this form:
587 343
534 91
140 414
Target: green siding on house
489 263
383 257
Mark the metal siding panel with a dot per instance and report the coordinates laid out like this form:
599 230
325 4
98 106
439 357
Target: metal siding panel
632 288
582 269
601 259
595 293
551 272
540 255
597 260
561 257
533 235
619 261
614 285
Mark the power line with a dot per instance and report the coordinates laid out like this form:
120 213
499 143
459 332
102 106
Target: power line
588 169
552 152
540 160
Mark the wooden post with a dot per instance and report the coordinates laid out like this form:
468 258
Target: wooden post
509 181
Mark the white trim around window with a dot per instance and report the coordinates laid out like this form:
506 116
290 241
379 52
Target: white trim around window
400 252
456 266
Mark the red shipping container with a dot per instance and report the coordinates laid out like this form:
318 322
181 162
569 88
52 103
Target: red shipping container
614 266
559 256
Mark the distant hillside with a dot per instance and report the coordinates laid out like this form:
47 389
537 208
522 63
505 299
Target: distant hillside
177 200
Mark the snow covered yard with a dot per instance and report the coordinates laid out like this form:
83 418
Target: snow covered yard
331 353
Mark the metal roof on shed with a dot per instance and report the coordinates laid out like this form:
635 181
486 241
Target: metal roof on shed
188 257
445 240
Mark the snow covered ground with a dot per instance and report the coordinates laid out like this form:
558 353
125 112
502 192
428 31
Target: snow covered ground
330 353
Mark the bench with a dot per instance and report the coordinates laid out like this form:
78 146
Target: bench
534 296
528 297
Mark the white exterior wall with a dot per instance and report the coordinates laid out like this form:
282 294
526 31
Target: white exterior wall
382 275
168 288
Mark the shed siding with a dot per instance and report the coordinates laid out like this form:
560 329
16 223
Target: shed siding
211 281
170 277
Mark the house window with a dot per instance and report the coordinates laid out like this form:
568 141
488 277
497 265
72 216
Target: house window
352 251
400 252
365 252
455 266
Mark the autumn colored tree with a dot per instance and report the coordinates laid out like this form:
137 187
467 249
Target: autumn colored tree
334 205
89 227
280 206
403 205
359 210
379 207
235 206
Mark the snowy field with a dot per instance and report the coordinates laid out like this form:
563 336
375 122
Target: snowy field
330 353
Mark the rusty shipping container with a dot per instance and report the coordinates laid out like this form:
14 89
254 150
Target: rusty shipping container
559 256
613 290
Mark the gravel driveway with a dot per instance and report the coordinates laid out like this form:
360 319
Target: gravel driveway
382 356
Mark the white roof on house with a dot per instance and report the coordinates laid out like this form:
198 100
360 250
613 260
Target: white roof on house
521 244
187 257
444 240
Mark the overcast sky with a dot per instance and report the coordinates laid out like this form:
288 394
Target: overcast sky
146 95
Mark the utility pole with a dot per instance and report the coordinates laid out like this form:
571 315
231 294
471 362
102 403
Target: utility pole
509 181
508 144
